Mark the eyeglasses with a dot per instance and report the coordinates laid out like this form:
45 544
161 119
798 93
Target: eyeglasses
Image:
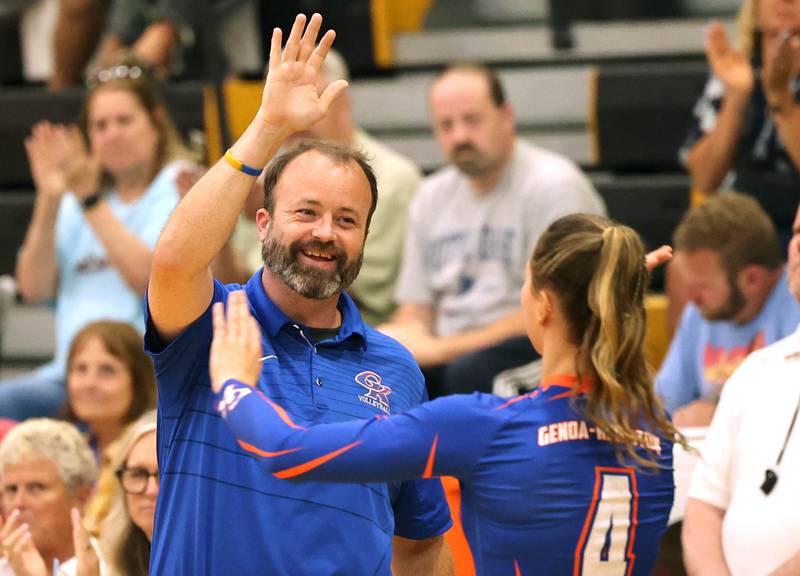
114 73
135 480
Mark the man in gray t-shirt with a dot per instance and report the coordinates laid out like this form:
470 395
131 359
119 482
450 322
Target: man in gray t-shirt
472 227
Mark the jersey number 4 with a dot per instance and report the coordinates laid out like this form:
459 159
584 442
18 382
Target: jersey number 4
606 544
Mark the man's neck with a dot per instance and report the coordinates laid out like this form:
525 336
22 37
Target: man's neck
307 311
754 307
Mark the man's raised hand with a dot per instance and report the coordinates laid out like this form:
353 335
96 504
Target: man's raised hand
290 101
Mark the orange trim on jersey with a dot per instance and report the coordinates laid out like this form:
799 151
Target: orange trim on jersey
431 457
315 463
282 414
567 381
260 452
515 400
517 571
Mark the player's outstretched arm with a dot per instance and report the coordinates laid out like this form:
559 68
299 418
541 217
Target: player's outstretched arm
445 437
181 285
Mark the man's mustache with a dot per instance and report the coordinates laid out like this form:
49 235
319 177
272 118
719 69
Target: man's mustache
466 147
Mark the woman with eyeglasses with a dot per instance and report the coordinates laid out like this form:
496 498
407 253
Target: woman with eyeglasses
127 528
104 191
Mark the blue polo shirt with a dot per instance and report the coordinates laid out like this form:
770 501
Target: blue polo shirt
218 512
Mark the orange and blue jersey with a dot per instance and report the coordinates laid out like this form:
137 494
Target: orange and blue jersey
218 513
543 491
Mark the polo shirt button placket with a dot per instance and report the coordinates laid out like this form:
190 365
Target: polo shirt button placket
318 382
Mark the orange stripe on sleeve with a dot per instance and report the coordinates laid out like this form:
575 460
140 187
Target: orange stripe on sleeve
517 571
315 463
260 452
431 457
282 414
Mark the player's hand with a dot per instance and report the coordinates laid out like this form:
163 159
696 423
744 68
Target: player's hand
657 257
16 545
783 66
88 562
729 64
236 347
290 100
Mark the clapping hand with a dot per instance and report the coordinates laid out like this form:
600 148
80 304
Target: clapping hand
48 152
59 161
783 67
290 101
88 562
236 348
729 64
16 545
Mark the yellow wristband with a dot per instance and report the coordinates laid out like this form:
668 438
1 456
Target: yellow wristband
241 167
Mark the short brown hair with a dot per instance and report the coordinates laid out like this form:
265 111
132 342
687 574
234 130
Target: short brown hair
497 93
735 227
339 153
124 343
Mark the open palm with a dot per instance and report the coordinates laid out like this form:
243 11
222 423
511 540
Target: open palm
290 98
729 64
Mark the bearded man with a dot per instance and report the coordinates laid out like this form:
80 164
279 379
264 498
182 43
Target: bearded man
739 301
218 512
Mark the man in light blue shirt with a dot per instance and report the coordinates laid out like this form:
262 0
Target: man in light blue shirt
739 302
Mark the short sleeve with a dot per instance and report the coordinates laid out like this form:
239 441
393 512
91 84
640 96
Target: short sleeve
421 510
179 363
676 381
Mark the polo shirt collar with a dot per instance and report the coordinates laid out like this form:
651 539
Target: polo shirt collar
272 318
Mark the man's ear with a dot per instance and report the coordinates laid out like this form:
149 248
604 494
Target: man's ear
752 280
262 222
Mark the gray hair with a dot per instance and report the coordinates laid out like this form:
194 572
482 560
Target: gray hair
54 440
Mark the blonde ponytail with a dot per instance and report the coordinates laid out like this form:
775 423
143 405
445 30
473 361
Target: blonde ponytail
597 268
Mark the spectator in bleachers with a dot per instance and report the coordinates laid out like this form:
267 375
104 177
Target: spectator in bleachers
746 130
398 178
110 380
96 218
742 514
161 33
46 470
471 228
739 302
127 528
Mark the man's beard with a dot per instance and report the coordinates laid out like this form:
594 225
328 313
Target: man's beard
284 262
730 309
475 164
